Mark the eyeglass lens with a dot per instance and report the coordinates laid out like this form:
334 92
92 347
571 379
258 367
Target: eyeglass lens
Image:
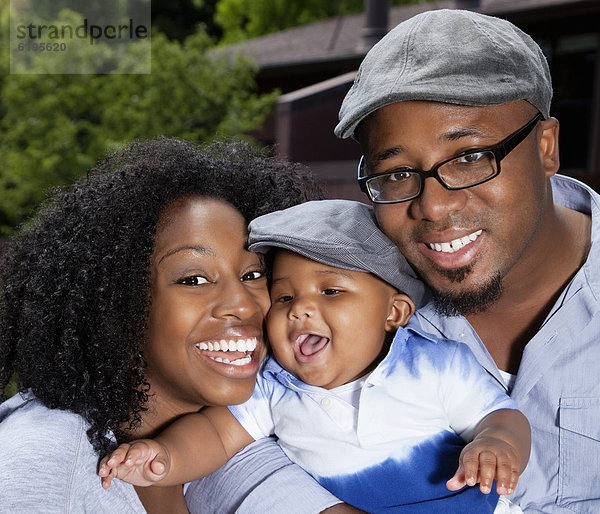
461 172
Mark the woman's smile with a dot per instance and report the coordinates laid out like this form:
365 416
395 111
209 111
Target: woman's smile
237 357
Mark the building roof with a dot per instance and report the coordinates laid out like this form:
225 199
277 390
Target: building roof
339 38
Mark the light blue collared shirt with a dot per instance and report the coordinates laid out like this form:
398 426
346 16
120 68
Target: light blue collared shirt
557 385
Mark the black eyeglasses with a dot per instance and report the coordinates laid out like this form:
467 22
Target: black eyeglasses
464 170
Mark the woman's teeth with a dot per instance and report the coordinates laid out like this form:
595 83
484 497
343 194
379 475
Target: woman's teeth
238 362
241 345
457 244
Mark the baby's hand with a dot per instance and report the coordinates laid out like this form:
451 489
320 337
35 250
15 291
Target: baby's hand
486 459
143 462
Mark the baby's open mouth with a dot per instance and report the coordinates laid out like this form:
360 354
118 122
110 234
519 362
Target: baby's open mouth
309 344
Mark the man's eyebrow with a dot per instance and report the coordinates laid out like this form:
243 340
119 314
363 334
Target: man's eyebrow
454 134
460 132
388 153
195 248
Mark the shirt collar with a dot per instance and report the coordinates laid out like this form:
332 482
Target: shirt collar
577 196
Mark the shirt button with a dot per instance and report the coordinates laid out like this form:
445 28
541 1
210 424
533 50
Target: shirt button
326 403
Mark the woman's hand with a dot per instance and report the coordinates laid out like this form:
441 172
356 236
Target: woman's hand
143 462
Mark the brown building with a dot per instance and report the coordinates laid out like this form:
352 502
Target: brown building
314 65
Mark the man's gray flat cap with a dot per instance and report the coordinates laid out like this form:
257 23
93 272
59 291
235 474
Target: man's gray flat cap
450 56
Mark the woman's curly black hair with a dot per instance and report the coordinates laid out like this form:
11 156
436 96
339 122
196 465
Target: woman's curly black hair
75 285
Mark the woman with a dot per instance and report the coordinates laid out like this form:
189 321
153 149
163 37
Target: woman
112 305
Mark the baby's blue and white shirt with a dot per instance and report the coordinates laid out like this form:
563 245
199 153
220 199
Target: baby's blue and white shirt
389 441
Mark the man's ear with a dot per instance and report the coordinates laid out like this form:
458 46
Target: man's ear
401 310
548 147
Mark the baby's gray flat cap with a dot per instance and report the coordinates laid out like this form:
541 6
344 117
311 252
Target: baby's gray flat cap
339 233
450 56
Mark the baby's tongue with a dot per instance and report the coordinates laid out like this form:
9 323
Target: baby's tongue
312 344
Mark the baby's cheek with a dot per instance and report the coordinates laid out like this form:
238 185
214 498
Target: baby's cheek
277 328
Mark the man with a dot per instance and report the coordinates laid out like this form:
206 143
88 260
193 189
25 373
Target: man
496 235
509 249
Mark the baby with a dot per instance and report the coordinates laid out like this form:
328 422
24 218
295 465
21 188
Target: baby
388 418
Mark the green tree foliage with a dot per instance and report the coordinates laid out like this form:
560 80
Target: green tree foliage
55 127
180 18
245 19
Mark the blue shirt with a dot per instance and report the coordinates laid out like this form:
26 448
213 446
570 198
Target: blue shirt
395 449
